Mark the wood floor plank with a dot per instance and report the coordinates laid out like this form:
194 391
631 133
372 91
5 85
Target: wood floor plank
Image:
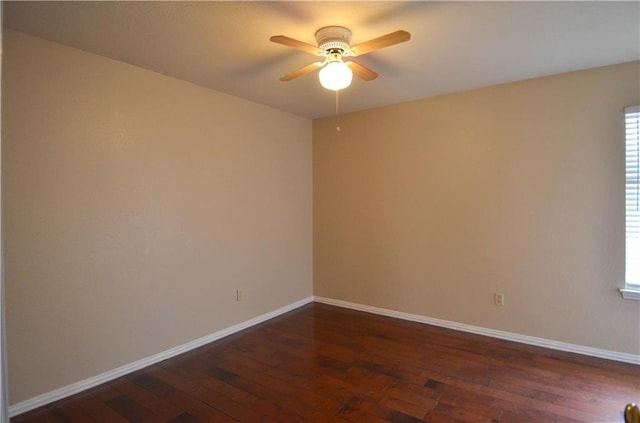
331 365
100 411
131 410
71 411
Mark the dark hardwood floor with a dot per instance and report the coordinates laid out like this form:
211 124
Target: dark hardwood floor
326 364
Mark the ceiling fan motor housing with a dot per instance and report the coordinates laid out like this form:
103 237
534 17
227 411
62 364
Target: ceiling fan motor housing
332 38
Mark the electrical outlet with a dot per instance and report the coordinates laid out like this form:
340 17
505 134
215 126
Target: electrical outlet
238 295
498 298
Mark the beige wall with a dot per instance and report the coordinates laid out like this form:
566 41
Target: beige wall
429 207
134 207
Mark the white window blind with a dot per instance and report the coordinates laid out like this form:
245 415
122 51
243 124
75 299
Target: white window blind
632 189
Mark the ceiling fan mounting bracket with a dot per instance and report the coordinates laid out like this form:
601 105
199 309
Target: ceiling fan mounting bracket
332 39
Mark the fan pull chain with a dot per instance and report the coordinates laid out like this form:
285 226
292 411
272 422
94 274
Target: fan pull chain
337 112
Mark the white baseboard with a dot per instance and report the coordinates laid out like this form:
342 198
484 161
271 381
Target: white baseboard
82 385
524 339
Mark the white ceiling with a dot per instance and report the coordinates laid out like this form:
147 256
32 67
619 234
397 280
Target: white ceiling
455 46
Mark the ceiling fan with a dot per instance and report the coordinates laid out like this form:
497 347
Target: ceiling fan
334 43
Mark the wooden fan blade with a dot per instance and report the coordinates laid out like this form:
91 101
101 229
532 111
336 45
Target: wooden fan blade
362 71
302 71
291 42
381 42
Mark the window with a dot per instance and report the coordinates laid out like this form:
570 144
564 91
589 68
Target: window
632 208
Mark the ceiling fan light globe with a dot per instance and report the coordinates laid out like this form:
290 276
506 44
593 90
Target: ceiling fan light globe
335 76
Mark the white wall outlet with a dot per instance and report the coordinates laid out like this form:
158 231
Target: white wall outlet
238 295
498 298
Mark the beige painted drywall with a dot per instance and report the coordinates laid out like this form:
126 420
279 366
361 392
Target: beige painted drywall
430 207
134 206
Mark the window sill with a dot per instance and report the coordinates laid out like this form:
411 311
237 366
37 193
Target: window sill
630 293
